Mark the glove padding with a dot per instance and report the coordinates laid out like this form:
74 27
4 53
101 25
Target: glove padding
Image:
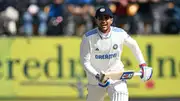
146 72
103 82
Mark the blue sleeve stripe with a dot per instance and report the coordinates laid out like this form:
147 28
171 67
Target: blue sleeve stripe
94 31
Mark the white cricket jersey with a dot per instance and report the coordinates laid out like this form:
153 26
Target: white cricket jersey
102 52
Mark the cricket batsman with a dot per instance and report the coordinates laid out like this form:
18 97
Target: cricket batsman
100 53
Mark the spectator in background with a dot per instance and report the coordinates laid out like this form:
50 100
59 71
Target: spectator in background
171 25
157 9
132 10
34 20
145 17
79 19
120 12
8 21
9 17
56 18
125 11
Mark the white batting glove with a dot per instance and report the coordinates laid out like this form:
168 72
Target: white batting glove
146 72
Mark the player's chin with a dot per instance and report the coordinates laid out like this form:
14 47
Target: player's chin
104 28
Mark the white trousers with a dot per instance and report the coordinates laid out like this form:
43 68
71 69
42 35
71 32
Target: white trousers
117 92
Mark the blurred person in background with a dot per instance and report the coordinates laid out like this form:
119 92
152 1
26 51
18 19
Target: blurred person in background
9 17
145 17
132 9
171 24
125 12
78 19
56 18
158 8
34 20
120 12
21 6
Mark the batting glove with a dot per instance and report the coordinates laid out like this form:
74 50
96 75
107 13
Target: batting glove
102 81
105 84
146 72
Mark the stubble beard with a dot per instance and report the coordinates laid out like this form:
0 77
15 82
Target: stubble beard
104 29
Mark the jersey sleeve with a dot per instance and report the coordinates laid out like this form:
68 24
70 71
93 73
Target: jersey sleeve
85 56
132 44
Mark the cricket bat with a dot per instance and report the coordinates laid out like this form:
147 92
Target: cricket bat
121 74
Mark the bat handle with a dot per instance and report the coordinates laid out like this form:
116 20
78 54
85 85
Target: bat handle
137 74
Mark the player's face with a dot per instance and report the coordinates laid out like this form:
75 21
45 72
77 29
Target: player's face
104 22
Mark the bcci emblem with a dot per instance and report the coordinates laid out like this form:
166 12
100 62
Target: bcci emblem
115 46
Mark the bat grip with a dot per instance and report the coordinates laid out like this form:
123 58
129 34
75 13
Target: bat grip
137 74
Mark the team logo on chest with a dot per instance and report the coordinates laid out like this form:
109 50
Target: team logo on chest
115 46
